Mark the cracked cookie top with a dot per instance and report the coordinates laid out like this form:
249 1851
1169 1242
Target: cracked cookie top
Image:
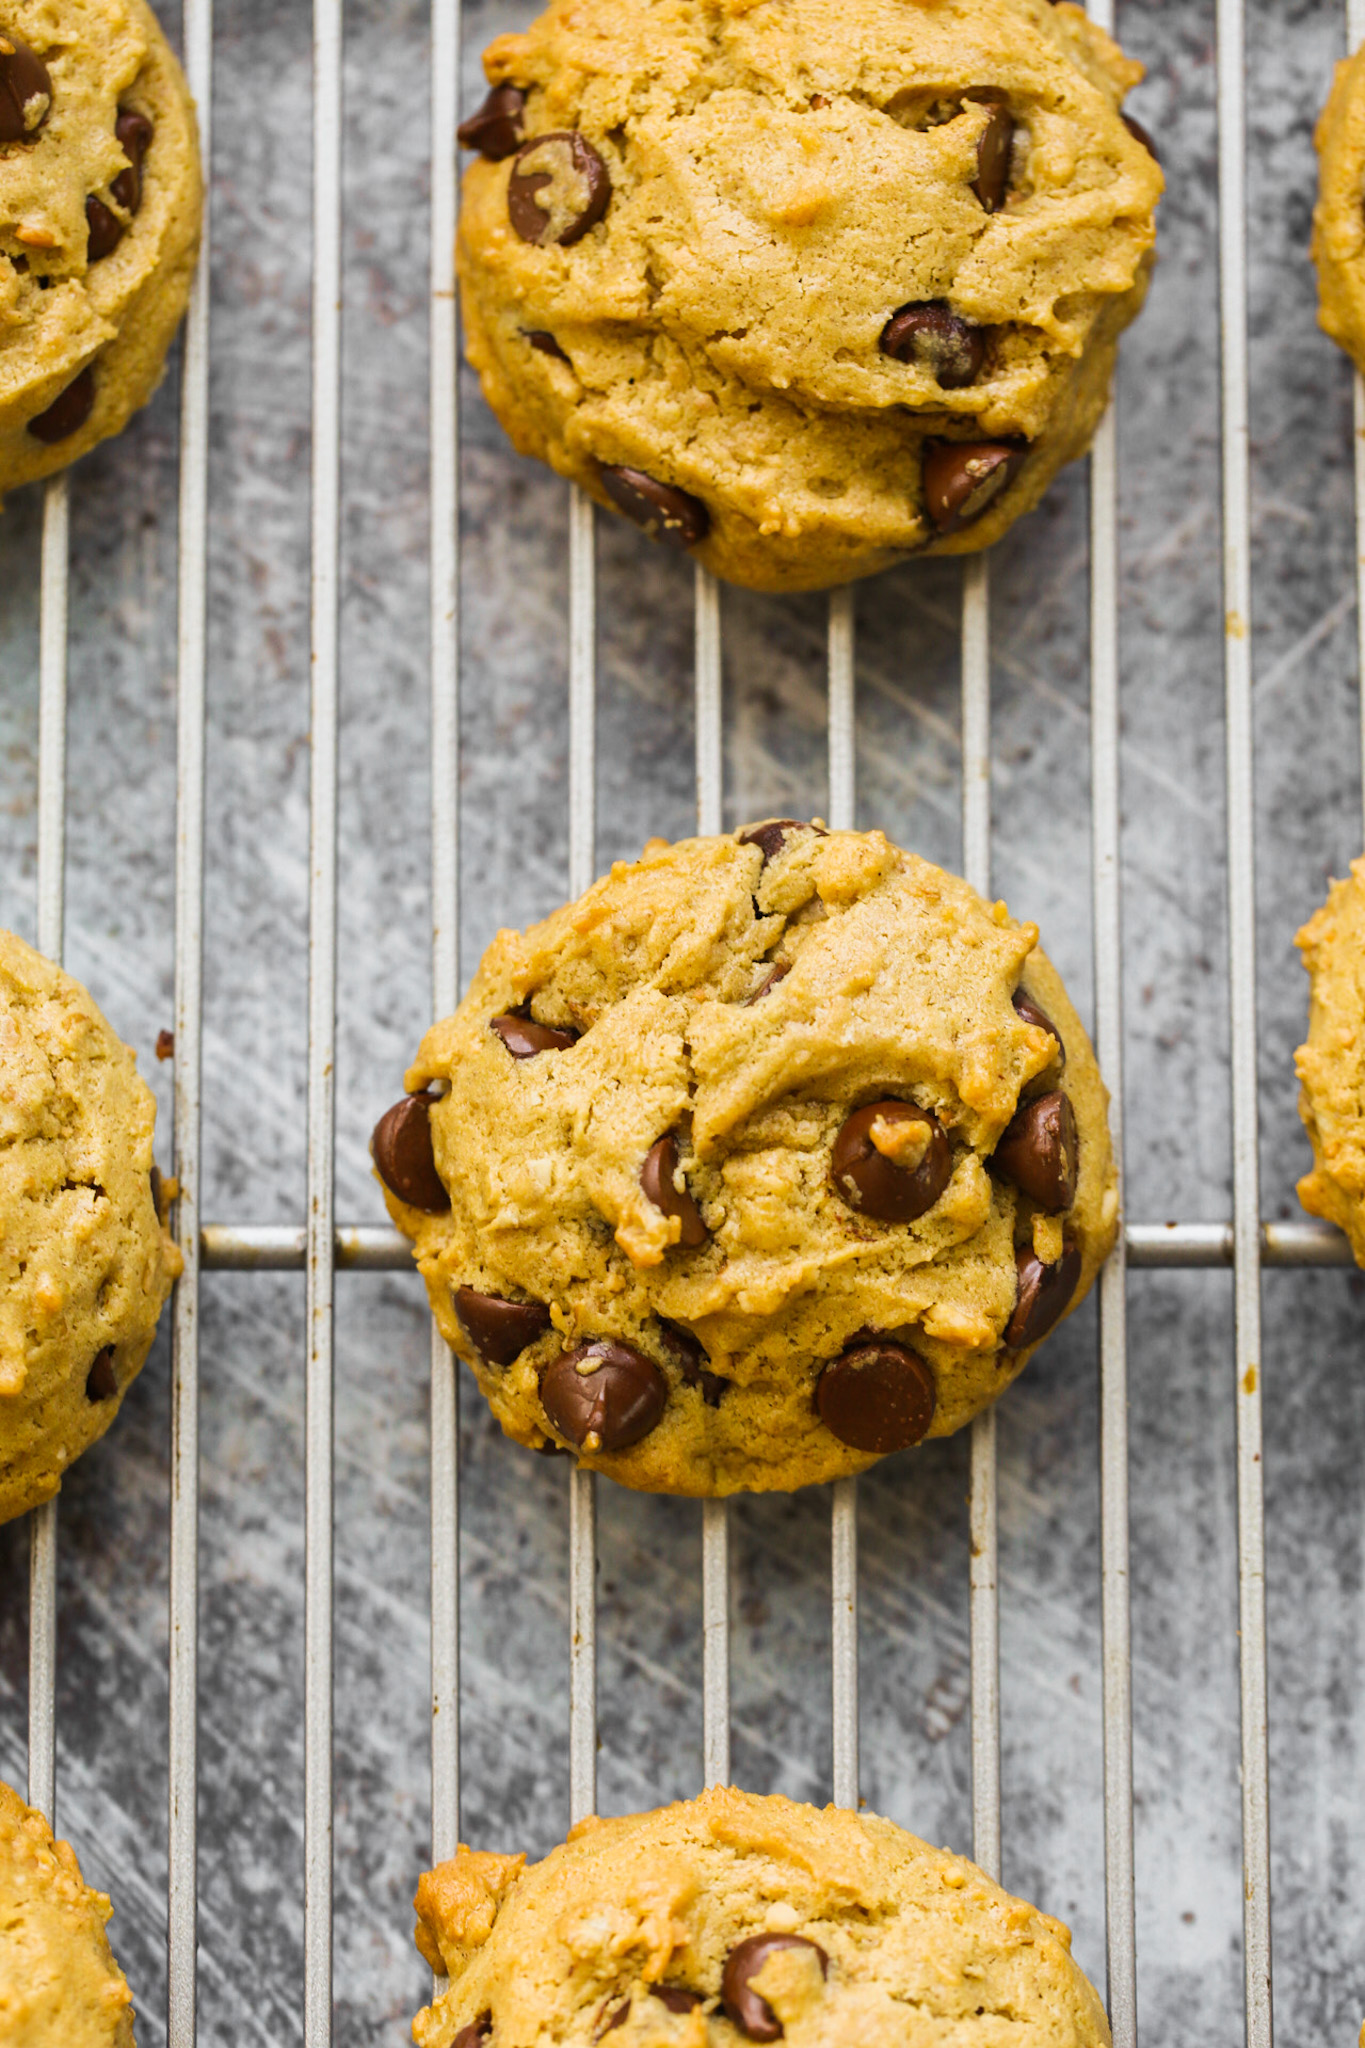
804 285
99 222
775 1152
85 1261
59 1985
734 1918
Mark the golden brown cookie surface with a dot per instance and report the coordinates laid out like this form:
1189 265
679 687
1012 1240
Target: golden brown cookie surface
59 1985
85 1263
100 207
732 1918
774 1153
1338 223
1331 1066
805 285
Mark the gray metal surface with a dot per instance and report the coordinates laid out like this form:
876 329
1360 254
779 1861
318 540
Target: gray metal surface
971 1677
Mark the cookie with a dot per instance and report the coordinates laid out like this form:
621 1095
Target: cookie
775 1153
734 1918
100 202
59 1985
805 288
85 1260
1331 1066
1338 225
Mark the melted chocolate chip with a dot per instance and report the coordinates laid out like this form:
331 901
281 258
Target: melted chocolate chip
499 1330
1033 1014
25 89
615 2018
404 1160
751 2014
942 343
476 2031
68 412
675 1998
771 836
903 1176
101 1382
692 1360
133 133
1139 134
496 130
664 512
544 343
961 478
993 159
524 1038
103 230
779 970
658 1179
877 1396
156 1190
612 1403
558 188
1044 1294
1040 1151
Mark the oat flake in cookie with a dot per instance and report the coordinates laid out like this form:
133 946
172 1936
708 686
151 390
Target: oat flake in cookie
734 1918
1331 1066
805 286
59 1984
775 1153
85 1260
100 207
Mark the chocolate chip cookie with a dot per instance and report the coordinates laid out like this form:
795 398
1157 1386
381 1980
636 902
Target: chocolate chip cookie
736 1918
59 1985
100 208
805 289
775 1153
1338 223
1331 1066
85 1259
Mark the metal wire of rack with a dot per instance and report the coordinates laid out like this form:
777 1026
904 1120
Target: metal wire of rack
321 1247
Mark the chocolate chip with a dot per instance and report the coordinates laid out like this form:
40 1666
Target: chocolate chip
993 159
558 189
751 2014
611 1404
818 102
101 1381
948 347
524 1038
1044 1293
68 412
104 230
165 1045
403 1156
496 130
675 1998
155 1178
658 1179
477 2030
1040 1151
692 1361
615 2019
876 1396
891 1160
961 478
544 343
665 512
25 89
770 837
1033 1014
1139 134
779 970
133 133
499 1330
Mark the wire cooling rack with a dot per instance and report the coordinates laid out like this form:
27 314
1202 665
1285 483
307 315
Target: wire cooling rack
321 1246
